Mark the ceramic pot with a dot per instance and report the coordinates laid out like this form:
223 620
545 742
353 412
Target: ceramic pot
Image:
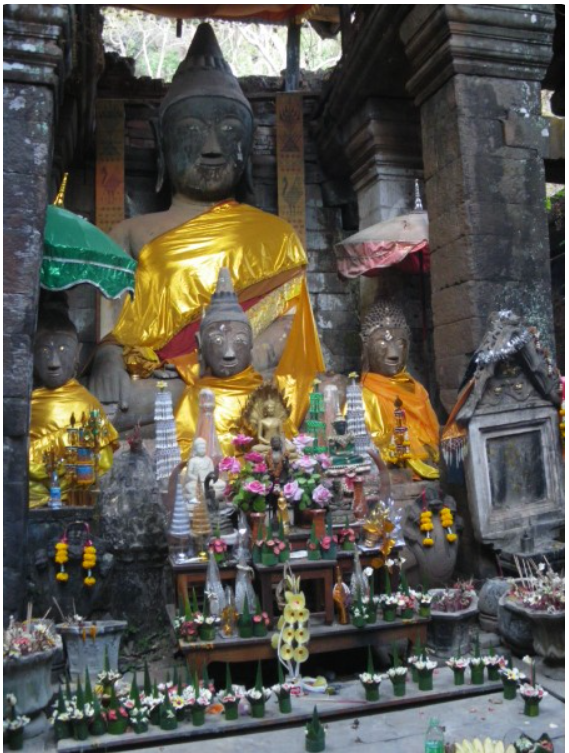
318 517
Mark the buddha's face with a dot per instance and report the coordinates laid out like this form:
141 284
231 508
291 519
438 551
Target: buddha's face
207 141
340 425
226 348
270 409
55 358
200 447
387 351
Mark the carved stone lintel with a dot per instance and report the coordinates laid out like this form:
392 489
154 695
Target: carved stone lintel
510 42
31 51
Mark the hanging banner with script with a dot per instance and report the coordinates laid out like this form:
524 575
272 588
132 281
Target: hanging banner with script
290 162
109 178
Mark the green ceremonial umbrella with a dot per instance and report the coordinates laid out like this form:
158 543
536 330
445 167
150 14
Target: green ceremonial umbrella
75 251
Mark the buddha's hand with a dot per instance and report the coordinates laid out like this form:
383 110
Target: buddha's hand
109 380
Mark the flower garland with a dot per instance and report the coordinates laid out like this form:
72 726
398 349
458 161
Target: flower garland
62 558
89 562
447 522
426 526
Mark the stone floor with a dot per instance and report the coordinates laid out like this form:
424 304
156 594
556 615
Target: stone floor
386 729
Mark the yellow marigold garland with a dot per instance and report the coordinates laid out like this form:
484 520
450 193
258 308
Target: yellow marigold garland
426 526
61 559
447 521
89 562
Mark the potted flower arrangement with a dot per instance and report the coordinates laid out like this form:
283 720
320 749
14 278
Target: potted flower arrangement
315 735
424 599
107 679
371 602
313 545
453 610
99 722
218 546
249 480
493 664
458 664
538 596
258 695
476 665
229 698
244 621
117 715
388 600
347 537
206 622
168 718
261 622
282 691
60 718
531 692
397 674
358 611
371 680
291 640
198 702
406 601
415 657
329 542
425 668
511 677
306 490
14 723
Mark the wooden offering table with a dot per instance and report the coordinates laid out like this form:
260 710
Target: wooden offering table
323 639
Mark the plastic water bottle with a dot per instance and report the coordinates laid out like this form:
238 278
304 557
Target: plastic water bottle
54 501
435 737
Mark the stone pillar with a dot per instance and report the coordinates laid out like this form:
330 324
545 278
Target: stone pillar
383 146
476 77
31 61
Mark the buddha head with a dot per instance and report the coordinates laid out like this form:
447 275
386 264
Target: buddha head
56 349
386 336
340 425
205 124
199 447
225 338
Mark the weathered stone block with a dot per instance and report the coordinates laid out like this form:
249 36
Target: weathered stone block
327 282
321 260
450 370
459 337
15 456
20 310
22 259
16 418
478 97
17 365
332 301
336 320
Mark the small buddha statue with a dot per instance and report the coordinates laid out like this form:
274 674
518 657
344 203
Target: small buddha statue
225 341
270 426
56 398
341 597
199 466
388 389
341 445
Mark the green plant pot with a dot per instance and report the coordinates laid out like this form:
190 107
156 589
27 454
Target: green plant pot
348 546
314 555
245 631
372 693
168 723
359 622
414 673
493 674
259 629
407 614
140 728
477 675
371 618
258 710
329 554
314 746
425 680
285 706
154 716
117 726
389 614
181 714
231 711
64 730
510 689
399 688
531 706
80 729
458 676
207 633
269 559
16 739
219 557
198 716
424 610
284 556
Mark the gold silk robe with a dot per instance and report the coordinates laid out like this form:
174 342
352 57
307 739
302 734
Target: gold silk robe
379 395
50 414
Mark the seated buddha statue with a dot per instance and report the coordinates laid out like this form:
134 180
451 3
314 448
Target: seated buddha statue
341 445
56 398
205 134
225 342
391 395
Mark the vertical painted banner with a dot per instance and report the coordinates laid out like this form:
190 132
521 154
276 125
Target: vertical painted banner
109 188
290 162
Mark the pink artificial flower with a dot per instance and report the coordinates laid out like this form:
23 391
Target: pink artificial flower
271 543
326 542
254 457
241 440
324 461
305 463
292 491
230 465
256 487
259 468
303 440
257 618
321 496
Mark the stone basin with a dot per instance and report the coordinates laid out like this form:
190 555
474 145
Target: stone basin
547 629
449 632
88 652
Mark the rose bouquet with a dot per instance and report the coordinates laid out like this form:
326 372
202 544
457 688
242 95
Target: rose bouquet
249 481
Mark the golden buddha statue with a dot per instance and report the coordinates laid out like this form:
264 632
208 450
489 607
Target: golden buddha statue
206 130
388 388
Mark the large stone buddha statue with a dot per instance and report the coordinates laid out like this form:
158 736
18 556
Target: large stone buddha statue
387 386
206 133
225 342
55 398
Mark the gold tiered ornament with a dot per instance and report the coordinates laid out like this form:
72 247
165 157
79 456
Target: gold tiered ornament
399 445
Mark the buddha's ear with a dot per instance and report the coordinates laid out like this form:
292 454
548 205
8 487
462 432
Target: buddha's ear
157 128
245 189
201 362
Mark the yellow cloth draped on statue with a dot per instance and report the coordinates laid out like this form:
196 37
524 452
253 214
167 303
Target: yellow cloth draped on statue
50 416
231 395
379 395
